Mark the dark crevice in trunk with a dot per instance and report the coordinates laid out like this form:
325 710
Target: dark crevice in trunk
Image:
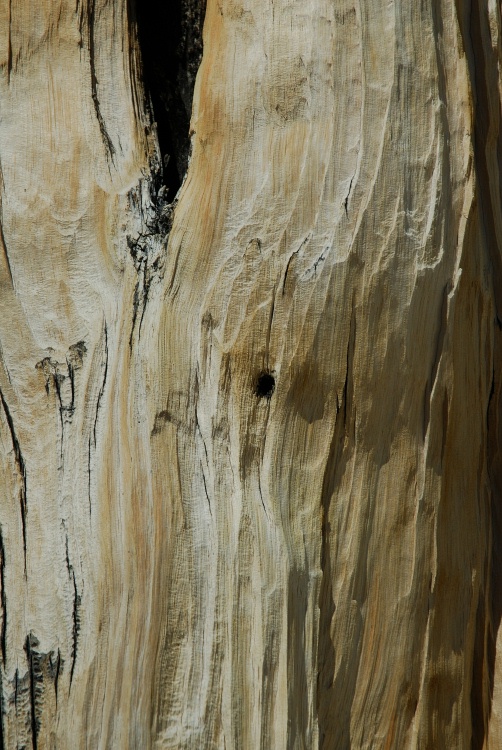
482 61
35 680
43 667
77 599
56 671
170 38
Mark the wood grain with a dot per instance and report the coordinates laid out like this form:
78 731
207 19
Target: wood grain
186 562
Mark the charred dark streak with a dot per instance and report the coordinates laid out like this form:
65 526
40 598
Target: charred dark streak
139 294
319 260
101 392
148 247
94 83
58 379
77 599
71 375
67 558
3 600
57 672
22 471
141 291
36 684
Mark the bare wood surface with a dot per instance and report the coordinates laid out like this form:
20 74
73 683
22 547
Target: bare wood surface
249 441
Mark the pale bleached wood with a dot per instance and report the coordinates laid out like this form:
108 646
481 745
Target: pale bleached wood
205 568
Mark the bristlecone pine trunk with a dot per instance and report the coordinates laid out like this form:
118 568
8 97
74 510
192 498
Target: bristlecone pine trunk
250 375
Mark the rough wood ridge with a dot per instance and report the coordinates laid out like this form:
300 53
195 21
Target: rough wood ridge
250 447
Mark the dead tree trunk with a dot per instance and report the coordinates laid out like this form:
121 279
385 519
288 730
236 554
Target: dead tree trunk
250 449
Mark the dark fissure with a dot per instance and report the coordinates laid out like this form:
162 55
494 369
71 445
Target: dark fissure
170 38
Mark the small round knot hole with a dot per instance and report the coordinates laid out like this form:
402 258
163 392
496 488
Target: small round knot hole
265 385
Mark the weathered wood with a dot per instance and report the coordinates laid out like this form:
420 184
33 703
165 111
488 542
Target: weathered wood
249 440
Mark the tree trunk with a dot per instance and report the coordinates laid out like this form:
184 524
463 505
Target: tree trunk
250 450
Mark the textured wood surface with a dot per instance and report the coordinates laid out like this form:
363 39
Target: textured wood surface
186 561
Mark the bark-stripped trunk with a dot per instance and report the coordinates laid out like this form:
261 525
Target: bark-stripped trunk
250 449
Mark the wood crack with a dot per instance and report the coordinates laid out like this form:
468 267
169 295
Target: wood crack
5 251
346 201
22 472
2 235
147 249
349 365
102 389
57 672
58 379
197 427
77 599
110 150
293 255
